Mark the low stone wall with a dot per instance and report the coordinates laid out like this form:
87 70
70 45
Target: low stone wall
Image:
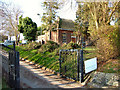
104 80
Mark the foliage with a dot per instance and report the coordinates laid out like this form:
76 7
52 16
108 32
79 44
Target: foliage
33 45
69 60
48 59
28 28
42 59
50 46
111 66
82 23
49 17
97 14
109 43
20 41
70 45
39 30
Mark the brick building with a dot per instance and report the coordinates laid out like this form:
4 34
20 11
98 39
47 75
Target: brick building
62 34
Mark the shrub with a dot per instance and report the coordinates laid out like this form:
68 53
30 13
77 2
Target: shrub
70 45
33 45
109 43
50 46
20 41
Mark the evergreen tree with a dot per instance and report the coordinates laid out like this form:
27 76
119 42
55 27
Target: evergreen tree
82 23
28 28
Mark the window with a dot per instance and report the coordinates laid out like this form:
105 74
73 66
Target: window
64 40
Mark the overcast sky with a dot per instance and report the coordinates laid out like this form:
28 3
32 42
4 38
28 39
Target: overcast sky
32 7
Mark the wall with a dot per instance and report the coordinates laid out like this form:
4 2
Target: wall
54 36
47 35
41 37
57 36
68 33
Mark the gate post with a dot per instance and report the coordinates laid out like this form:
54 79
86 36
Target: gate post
14 77
14 45
78 65
81 66
10 67
17 69
60 62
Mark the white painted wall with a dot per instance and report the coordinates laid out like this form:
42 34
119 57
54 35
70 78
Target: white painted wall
13 37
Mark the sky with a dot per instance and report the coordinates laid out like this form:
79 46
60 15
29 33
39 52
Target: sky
31 8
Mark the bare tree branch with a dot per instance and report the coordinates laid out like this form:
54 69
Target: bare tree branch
113 10
9 18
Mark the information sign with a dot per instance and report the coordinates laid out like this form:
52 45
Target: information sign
90 65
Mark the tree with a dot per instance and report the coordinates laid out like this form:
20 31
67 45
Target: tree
9 19
82 23
100 15
28 28
49 17
39 31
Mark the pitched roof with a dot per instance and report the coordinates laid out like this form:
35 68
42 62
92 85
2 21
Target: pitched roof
66 24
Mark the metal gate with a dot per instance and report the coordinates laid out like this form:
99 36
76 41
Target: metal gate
71 64
11 67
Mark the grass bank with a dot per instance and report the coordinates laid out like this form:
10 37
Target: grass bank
51 60
47 59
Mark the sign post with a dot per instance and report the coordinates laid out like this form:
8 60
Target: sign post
81 66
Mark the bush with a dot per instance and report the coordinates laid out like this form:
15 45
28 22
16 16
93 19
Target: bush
70 45
50 46
33 45
109 43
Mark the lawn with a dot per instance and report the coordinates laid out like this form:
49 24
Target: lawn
89 52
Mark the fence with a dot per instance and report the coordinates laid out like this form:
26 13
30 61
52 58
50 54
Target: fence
11 67
71 64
